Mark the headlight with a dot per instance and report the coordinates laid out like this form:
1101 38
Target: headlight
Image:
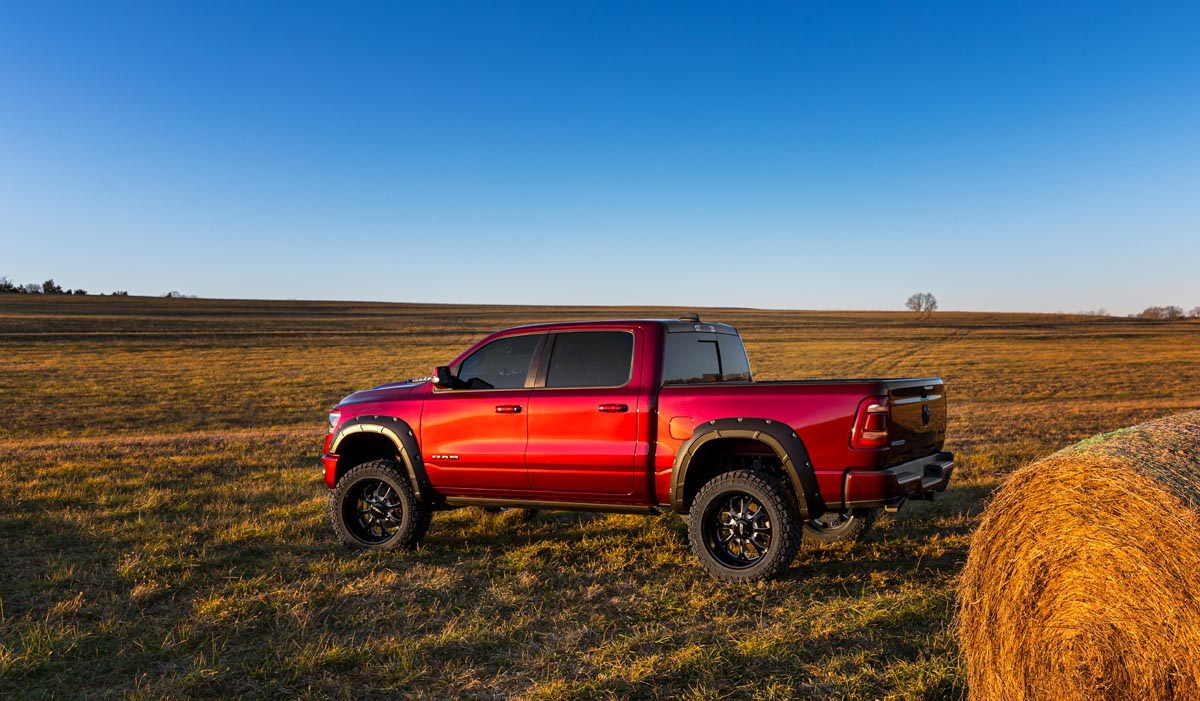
334 418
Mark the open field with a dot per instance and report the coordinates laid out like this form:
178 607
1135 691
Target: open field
162 528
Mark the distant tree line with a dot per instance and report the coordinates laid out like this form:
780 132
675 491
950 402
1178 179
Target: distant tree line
1167 313
925 303
1170 312
49 287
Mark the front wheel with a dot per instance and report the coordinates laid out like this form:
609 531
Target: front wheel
743 527
374 507
835 527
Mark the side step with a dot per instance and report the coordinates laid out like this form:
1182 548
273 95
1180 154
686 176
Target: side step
551 505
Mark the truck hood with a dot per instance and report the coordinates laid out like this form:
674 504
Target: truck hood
383 393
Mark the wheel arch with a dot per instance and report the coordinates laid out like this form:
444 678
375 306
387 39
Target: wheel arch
688 474
366 438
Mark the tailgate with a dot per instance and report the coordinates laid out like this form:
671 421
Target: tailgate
916 417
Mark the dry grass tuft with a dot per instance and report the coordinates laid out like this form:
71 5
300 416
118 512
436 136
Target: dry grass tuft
1081 582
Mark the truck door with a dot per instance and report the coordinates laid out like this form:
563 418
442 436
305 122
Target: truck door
474 437
583 420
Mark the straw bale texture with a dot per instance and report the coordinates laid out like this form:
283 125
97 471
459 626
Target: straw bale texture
1083 579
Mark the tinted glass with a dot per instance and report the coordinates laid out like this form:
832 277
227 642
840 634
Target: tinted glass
704 357
502 364
591 359
735 366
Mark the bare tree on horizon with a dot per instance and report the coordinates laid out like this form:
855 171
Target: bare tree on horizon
922 303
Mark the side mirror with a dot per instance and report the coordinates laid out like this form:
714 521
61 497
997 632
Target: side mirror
442 377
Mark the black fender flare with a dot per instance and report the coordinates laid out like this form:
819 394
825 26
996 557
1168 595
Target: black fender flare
402 436
781 439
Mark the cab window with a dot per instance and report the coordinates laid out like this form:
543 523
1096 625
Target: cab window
705 357
501 364
591 359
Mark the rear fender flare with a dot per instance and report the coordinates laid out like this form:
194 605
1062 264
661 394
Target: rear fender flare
778 436
401 435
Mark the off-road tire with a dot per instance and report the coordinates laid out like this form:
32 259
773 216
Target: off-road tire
851 526
743 527
374 507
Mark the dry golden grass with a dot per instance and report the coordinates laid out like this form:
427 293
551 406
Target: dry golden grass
162 532
1081 581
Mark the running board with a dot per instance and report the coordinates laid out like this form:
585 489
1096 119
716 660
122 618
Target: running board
551 505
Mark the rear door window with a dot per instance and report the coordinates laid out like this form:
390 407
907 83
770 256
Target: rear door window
591 359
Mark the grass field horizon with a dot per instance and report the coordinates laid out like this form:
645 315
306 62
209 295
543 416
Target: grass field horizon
163 528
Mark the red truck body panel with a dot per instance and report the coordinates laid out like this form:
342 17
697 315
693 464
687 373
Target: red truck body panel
467 444
820 413
619 445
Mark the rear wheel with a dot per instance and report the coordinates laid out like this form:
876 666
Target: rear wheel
834 527
743 528
374 506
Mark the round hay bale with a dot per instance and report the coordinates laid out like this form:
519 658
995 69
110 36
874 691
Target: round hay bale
1083 579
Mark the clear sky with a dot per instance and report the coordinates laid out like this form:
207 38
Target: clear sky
1035 156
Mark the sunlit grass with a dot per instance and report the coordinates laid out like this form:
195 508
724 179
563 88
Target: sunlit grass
162 525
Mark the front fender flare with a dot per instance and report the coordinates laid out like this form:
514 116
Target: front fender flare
402 436
778 436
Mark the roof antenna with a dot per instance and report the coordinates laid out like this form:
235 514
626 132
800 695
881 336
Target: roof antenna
690 316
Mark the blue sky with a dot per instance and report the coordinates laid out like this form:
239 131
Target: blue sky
842 155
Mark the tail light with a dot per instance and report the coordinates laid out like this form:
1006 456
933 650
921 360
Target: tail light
871 424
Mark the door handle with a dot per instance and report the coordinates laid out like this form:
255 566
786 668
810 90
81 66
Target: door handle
614 408
508 409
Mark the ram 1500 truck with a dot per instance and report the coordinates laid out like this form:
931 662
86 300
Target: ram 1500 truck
636 416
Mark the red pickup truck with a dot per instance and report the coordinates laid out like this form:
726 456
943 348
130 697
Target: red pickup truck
636 416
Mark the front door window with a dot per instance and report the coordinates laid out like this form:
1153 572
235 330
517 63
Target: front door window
501 364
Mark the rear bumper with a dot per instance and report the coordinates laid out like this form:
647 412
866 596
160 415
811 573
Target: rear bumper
917 479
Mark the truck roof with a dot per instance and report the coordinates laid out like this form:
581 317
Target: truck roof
669 325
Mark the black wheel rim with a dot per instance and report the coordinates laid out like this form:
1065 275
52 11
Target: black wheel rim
832 522
374 511
737 530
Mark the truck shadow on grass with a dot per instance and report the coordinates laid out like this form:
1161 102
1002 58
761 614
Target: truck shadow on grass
916 536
